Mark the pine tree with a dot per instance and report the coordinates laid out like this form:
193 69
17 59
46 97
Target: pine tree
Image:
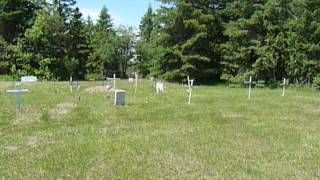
191 36
103 59
147 25
14 18
64 7
78 50
104 22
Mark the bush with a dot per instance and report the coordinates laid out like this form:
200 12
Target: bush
316 82
6 78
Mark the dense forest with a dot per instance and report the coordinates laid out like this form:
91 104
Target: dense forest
210 40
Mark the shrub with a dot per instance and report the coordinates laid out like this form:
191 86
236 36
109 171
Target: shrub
316 82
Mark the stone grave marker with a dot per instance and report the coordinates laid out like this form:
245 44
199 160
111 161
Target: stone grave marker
159 87
119 98
249 83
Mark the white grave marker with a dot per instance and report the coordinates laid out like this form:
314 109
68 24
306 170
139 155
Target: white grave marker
131 80
29 79
250 82
78 90
160 87
70 84
285 82
114 79
17 92
190 87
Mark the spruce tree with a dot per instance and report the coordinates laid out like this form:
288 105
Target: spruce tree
15 16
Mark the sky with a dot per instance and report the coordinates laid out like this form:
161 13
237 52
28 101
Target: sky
123 12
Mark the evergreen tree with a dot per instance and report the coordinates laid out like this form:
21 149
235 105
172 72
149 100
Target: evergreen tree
144 48
147 25
104 23
191 36
15 18
64 7
103 58
78 50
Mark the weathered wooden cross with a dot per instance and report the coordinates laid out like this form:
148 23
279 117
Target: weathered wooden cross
78 90
114 79
190 87
17 92
285 82
250 83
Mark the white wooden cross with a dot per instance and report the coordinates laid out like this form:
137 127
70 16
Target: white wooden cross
17 92
285 82
70 83
250 83
114 79
190 86
78 90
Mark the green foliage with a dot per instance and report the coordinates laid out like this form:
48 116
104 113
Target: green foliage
316 82
209 40
15 18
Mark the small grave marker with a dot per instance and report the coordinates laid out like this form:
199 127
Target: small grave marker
114 79
285 82
190 87
17 92
160 87
131 80
250 83
119 98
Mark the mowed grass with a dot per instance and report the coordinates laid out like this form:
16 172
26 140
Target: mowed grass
221 135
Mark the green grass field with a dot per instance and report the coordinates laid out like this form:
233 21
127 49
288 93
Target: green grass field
221 135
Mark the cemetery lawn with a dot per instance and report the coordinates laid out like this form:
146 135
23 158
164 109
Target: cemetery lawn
220 135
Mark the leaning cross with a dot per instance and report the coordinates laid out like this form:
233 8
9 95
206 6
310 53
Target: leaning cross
190 85
285 82
17 92
250 83
114 80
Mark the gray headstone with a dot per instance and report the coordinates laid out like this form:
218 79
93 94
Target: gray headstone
119 98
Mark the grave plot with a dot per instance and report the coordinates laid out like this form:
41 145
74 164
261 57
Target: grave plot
61 110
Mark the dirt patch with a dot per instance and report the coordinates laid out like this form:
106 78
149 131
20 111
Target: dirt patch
32 141
61 110
27 115
229 114
11 148
99 89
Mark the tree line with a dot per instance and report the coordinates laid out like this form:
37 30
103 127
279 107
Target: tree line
210 40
